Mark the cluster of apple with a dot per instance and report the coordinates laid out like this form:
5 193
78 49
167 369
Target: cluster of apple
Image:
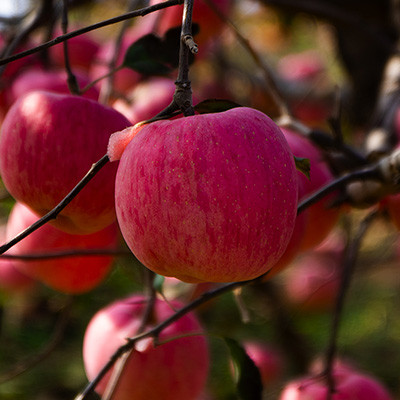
208 198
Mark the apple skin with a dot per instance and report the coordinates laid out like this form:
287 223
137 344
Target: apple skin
68 275
350 385
320 175
48 142
51 80
175 370
208 198
148 99
268 360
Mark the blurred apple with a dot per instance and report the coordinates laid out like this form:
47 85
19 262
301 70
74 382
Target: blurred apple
175 369
71 274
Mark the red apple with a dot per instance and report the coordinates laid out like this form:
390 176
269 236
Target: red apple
148 99
209 197
48 142
70 274
174 370
268 360
350 385
321 218
52 80
312 282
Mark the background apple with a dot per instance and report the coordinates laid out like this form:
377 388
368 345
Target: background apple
350 385
48 142
70 274
210 197
174 370
48 80
268 360
147 99
320 175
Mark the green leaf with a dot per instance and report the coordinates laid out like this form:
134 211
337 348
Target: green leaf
303 165
249 385
145 56
215 106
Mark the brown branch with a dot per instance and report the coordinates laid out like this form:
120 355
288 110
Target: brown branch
67 254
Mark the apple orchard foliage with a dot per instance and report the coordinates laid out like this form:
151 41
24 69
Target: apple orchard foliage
207 199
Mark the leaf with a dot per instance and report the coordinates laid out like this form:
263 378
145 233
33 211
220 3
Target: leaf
215 106
303 165
151 55
249 385
145 56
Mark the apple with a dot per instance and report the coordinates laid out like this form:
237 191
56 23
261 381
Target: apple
349 385
209 23
268 360
50 80
82 50
71 274
176 369
320 175
148 98
313 281
208 198
48 142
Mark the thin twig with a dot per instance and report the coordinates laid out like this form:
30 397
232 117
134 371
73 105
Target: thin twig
349 265
67 254
275 92
56 210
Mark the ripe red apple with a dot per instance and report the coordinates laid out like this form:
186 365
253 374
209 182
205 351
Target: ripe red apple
48 142
209 23
350 385
321 218
71 274
268 360
148 99
210 197
312 282
50 80
174 370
